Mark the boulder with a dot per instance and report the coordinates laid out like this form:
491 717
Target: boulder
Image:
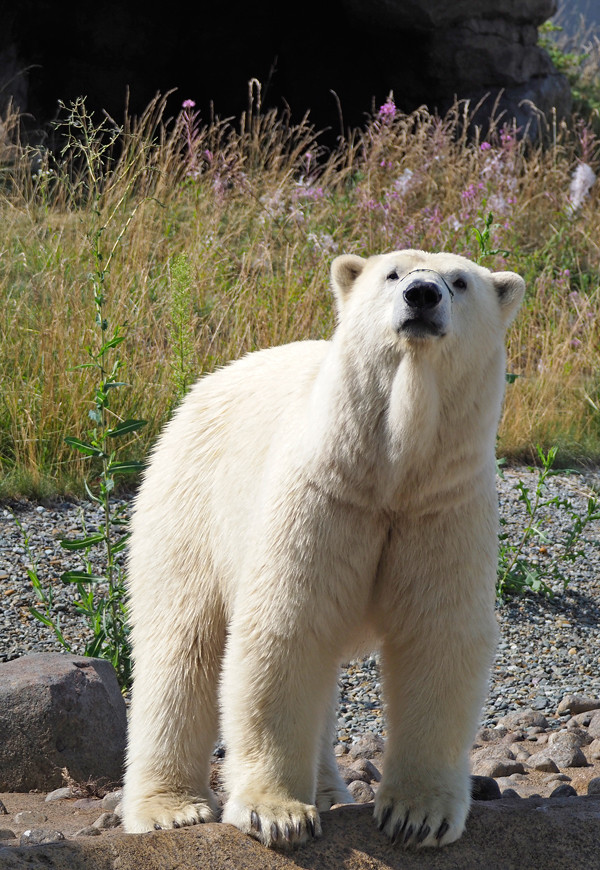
553 834
59 711
485 51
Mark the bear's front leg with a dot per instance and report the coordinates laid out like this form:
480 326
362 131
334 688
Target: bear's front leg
297 604
439 631
434 686
275 693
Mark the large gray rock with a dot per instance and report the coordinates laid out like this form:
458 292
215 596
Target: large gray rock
59 711
485 51
503 834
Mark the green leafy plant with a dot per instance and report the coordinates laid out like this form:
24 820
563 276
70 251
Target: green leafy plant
518 570
483 239
101 598
579 65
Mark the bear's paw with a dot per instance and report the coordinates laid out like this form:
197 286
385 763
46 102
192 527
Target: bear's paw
166 811
426 820
277 823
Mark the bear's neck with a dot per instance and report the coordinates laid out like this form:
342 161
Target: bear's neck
385 428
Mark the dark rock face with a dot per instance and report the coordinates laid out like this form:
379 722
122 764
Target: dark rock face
344 54
59 711
483 51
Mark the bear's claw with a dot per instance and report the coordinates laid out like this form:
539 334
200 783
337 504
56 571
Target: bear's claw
280 826
443 829
417 825
163 812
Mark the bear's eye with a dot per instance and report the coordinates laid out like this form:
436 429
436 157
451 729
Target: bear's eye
393 276
459 284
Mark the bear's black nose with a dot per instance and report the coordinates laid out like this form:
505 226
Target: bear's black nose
422 295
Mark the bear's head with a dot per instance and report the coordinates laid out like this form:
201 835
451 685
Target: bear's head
413 299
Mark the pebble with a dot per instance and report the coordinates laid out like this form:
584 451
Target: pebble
30 817
565 750
361 791
7 834
40 836
107 820
484 788
547 650
112 800
563 790
543 762
60 794
88 831
594 785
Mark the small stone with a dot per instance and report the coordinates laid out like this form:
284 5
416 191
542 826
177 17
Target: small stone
89 831
594 785
541 761
574 704
563 790
111 801
524 718
510 793
490 735
40 837
3 810
519 752
516 736
361 791
7 834
340 749
594 726
365 770
30 817
495 767
60 794
594 749
579 736
580 720
107 820
88 804
484 788
565 751
367 746
352 774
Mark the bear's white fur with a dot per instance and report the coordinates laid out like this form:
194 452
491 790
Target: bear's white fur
306 503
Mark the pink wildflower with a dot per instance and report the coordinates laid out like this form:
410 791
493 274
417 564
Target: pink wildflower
188 104
485 146
388 110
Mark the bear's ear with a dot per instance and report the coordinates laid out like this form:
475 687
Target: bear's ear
344 272
510 288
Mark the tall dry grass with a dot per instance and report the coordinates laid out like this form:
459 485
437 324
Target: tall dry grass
258 208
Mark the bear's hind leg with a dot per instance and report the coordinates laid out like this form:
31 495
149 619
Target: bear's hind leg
172 730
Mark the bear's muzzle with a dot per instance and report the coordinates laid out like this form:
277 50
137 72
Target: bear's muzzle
422 305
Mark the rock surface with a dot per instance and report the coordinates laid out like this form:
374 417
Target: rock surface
59 711
426 51
484 50
532 817
554 834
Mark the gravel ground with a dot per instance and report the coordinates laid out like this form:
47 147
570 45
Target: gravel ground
548 646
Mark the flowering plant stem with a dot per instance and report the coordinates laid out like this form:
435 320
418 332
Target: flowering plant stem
101 596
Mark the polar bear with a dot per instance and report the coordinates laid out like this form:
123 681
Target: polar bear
306 503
